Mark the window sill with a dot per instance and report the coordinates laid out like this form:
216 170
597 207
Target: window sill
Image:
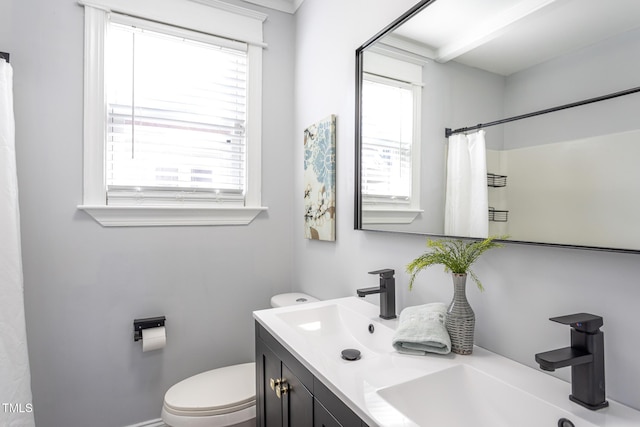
149 216
389 216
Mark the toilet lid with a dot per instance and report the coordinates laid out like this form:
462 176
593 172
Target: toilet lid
215 392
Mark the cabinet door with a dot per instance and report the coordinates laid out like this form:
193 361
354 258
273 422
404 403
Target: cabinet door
297 406
297 402
337 409
269 406
322 417
293 407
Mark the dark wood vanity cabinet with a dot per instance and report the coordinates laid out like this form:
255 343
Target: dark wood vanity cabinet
287 393
286 400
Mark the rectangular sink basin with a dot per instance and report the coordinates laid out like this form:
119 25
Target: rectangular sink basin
463 396
333 328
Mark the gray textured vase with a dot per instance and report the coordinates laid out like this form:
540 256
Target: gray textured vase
461 320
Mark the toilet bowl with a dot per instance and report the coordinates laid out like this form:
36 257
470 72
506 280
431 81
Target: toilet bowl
223 397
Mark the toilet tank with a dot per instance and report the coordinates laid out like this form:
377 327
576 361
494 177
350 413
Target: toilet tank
291 298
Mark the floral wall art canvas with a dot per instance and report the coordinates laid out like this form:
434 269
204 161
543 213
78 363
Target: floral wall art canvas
320 180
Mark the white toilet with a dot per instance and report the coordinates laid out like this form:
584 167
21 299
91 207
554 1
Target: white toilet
223 397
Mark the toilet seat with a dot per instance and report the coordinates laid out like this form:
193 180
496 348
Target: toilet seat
219 393
243 418
224 397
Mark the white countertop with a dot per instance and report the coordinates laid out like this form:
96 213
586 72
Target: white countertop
357 382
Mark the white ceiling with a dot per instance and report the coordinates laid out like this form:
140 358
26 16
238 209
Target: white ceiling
505 36
288 6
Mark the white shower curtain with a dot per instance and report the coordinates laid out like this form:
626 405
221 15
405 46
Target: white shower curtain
16 407
467 205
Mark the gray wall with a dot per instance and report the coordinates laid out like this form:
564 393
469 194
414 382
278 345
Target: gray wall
606 67
525 285
5 26
85 284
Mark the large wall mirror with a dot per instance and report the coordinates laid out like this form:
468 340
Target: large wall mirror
503 117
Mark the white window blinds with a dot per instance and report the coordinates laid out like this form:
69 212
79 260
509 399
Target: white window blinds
387 135
176 118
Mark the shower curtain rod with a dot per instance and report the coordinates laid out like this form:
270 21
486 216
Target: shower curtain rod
448 132
5 55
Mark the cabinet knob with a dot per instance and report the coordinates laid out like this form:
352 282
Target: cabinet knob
282 389
274 383
279 385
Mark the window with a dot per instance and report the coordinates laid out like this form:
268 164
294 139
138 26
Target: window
176 118
172 116
391 105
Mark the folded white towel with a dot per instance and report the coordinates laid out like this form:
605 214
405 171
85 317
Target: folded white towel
422 330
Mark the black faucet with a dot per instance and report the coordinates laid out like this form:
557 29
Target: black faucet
585 356
387 291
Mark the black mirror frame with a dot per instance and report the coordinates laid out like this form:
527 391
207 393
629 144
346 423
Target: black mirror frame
417 8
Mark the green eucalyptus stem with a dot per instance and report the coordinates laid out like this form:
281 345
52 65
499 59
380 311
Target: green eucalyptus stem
456 256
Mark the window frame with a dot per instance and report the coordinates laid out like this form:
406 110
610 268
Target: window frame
209 17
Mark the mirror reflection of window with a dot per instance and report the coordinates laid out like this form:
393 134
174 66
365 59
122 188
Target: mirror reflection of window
387 137
391 105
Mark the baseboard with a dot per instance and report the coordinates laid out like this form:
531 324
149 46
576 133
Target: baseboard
150 423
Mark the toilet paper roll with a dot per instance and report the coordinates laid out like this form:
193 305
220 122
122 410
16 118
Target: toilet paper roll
153 338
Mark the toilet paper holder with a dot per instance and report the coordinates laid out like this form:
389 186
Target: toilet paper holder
146 323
